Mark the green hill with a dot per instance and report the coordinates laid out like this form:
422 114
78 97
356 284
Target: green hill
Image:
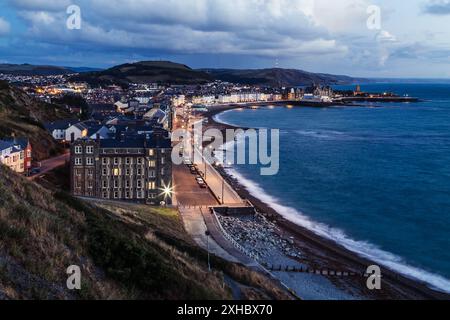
22 116
145 72
279 77
124 251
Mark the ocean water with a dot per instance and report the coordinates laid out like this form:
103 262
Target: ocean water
375 179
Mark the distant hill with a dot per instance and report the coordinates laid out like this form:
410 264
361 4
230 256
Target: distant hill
144 72
279 77
36 70
22 116
32 70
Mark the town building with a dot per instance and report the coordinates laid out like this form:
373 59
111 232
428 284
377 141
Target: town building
16 154
131 168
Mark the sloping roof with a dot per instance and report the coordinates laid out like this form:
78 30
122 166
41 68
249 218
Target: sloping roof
60 124
155 113
135 141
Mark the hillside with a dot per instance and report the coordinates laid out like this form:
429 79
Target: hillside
279 77
33 70
124 251
145 72
22 116
41 70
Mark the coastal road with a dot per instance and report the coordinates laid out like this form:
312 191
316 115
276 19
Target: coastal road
224 193
51 164
196 227
187 190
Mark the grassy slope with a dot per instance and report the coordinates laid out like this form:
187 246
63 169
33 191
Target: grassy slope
24 117
125 252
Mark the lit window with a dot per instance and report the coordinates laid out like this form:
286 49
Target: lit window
151 152
152 164
152 185
116 172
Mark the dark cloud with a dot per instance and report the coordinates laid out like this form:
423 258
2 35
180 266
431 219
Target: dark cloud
438 7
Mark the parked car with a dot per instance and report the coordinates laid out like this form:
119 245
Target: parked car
202 184
35 171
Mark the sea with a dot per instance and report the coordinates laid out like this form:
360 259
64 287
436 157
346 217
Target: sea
373 178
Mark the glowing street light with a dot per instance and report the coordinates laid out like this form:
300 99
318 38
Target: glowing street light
167 191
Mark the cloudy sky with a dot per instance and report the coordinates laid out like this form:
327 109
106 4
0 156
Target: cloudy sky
406 39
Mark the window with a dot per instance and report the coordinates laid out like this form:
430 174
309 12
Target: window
78 161
90 149
116 183
139 194
105 172
163 160
21 155
105 195
90 161
152 195
163 172
78 150
139 171
128 195
152 164
90 172
151 152
152 174
78 172
116 194
152 185
104 161
116 161
105 184
28 153
139 161
127 183
116 172
127 172
139 183
127 161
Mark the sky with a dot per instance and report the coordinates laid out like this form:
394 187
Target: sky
366 38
